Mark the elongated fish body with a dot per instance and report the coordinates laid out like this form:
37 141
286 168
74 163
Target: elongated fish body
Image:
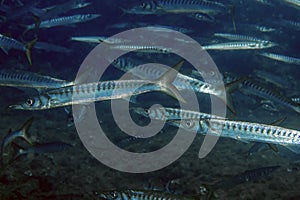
30 80
160 113
100 91
98 39
141 195
290 23
86 93
177 6
245 131
238 37
239 46
64 21
273 78
182 82
7 43
144 49
282 58
251 87
191 6
57 10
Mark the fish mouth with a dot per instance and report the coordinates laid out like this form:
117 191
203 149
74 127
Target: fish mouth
15 107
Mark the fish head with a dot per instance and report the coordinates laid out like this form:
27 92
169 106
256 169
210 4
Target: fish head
33 103
143 8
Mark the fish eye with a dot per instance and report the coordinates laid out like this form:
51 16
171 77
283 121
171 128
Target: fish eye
143 5
30 102
212 73
189 124
148 111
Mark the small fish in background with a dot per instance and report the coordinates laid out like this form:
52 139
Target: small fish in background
245 177
58 9
20 133
62 21
24 79
242 45
7 43
282 58
177 7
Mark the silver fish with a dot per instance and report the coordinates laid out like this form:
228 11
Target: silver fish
7 43
245 131
282 58
162 113
144 49
98 39
251 87
30 80
63 21
100 91
177 6
239 37
182 82
56 10
239 46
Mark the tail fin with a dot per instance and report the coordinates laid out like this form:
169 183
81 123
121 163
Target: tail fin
230 88
166 80
28 50
26 126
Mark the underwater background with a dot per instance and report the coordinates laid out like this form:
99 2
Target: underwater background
75 174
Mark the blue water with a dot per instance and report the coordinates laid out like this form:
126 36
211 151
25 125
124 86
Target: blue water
77 174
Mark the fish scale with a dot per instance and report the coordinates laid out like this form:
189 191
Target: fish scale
182 82
163 113
28 79
244 131
62 21
100 91
141 195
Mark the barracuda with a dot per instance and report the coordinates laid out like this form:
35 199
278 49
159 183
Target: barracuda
100 91
282 58
245 131
144 49
63 21
162 113
30 80
182 82
240 37
7 43
141 195
177 6
239 46
98 39
251 87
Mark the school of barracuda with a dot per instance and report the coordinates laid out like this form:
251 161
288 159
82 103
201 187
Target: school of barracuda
23 26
